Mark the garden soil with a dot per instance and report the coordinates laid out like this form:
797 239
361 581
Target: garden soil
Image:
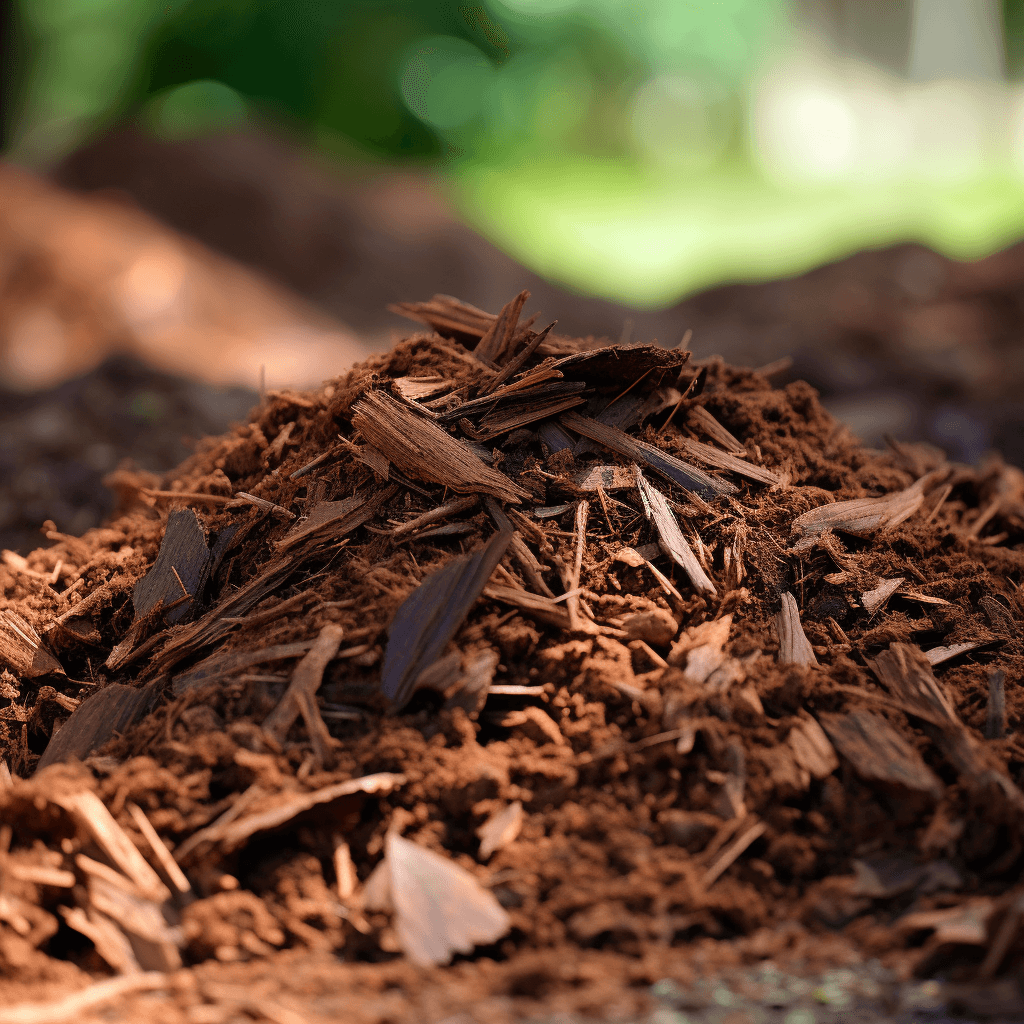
671 674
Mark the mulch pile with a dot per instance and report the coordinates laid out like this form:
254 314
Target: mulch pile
581 665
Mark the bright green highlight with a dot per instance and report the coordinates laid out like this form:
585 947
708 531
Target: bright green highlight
649 239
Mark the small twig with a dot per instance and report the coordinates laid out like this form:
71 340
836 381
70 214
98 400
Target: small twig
156 844
213 499
184 589
732 852
946 491
572 605
299 697
243 498
319 460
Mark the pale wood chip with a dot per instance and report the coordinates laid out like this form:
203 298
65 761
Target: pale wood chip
440 908
874 600
92 815
794 647
862 516
670 536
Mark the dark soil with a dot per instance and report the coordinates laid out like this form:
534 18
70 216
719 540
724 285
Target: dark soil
57 446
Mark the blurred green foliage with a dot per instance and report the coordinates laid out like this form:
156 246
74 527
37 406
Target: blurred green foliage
606 143
407 78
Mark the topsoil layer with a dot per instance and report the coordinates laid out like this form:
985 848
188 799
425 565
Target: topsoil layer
672 672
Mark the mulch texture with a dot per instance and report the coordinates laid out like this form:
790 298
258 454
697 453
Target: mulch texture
585 666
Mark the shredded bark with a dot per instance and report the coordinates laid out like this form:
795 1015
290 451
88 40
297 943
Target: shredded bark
428 628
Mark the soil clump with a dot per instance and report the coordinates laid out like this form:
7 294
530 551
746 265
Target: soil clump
585 666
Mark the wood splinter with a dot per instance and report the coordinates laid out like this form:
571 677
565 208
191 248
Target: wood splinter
794 647
300 697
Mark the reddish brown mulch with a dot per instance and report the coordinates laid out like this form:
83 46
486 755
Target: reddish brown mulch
741 720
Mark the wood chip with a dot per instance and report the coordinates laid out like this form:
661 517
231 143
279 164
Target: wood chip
880 755
345 877
22 649
729 855
704 421
170 866
937 655
608 478
91 814
432 614
727 461
223 664
229 833
551 511
437 514
181 569
862 516
541 608
244 498
675 470
110 942
447 315
619 365
905 671
670 536
995 718
907 674
794 647
811 749
440 908
335 519
109 711
495 345
874 600
154 943
416 389
500 829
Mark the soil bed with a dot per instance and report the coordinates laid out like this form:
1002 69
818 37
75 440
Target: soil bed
587 668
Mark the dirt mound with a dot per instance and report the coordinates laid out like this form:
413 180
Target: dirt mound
585 666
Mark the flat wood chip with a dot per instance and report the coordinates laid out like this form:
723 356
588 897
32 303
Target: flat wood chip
181 569
874 600
424 451
432 614
21 648
97 719
670 536
335 519
500 829
880 755
230 833
440 908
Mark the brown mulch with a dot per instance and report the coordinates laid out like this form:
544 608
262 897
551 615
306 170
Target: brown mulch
583 666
